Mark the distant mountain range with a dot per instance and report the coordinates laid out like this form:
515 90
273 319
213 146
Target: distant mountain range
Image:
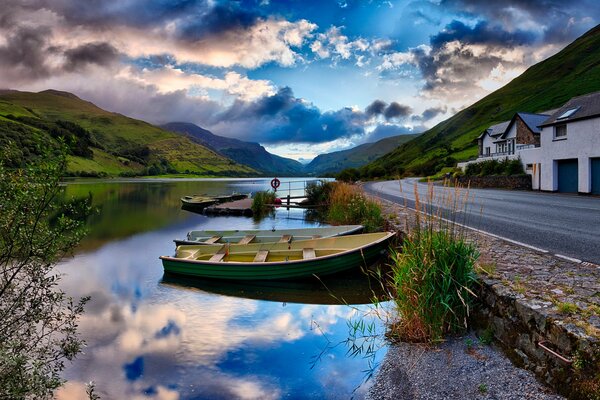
357 156
248 153
573 71
100 143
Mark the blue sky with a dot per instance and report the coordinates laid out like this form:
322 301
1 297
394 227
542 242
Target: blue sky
299 77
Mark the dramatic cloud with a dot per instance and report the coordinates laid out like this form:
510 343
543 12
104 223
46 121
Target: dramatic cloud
430 113
284 118
391 111
90 53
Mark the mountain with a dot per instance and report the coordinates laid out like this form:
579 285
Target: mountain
248 153
356 156
573 71
100 142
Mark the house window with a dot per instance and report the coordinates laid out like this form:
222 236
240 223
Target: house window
560 131
529 167
487 151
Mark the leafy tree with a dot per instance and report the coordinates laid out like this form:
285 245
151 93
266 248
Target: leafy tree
38 332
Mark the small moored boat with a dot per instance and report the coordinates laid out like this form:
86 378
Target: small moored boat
267 236
201 201
264 261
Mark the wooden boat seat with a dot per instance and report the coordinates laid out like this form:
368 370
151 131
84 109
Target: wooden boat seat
212 240
261 256
285 239
308 253
219 255
247 239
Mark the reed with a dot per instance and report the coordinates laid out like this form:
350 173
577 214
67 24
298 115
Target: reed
433 272
349 205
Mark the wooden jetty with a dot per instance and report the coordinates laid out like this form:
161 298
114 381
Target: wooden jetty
238 207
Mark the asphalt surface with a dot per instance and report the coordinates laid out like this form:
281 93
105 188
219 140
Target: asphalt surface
562 224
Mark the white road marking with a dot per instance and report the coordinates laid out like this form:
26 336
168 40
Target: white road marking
575 260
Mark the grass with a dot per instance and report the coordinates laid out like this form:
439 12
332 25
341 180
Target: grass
566 307
349 205
434 271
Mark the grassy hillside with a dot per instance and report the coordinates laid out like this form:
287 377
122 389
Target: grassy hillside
549 84
355 157
247 153
101 142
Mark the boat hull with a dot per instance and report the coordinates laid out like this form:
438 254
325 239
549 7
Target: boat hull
320 266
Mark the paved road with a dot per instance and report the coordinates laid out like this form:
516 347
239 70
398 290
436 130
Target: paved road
563 224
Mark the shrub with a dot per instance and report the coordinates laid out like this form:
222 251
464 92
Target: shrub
433 274
260 203
317 193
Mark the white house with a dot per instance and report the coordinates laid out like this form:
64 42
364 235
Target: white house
560 149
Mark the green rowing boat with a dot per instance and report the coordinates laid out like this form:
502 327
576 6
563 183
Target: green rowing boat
267 236
298 259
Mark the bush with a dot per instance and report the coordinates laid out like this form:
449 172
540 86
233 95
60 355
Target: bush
495 167
260 203
317 193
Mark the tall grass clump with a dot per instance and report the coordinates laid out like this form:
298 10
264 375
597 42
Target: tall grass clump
433 272
260 203
349 205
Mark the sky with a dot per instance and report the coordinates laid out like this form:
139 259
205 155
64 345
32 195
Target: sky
300 77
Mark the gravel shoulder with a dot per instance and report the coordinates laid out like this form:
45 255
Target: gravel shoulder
459 368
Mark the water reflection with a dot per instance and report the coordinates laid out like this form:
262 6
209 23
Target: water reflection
150 337
354 287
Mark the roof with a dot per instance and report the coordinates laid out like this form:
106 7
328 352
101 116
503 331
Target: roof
533 121
495 130
587 106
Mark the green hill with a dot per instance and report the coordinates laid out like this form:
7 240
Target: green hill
549 84
100 142
355 157
247 153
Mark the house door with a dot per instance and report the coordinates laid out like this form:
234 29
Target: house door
567 176
595 170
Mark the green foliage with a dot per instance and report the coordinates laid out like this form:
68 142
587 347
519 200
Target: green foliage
433 273
317 193
348 175
39 321
573 71
260 202
495 167
487 336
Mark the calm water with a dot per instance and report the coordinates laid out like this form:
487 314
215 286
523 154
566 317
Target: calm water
158 338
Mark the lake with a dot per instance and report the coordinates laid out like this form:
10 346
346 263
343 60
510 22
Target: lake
154 337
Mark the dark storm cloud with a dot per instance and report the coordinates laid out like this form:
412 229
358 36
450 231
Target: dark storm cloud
391 111
25 52
282 118
481 33
376 108
395 110
430 113
90 53
221 18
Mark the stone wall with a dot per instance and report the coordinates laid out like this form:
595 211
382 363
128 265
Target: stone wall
520 324
525 135
516 182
